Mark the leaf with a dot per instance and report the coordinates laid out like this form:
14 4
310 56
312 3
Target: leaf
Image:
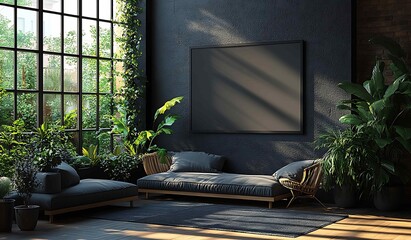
356 90
377 83
377 106
404 132
343 107
381 142
398 66
393 87
168 121
167 106
389 166
167 131
392 46
350 119
366 85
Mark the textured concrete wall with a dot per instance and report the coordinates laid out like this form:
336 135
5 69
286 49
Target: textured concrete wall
175 26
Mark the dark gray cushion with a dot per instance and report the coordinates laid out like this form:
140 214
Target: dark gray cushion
69 175
196 162
48 182
293 171
222 183
88 191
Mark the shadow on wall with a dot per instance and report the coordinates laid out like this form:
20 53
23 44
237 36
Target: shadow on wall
203 23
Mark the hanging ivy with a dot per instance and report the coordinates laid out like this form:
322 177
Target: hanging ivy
130 42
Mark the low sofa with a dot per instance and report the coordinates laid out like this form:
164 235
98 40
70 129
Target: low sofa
200 174
62 191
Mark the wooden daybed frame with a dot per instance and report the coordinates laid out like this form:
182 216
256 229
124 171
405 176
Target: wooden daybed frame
270 200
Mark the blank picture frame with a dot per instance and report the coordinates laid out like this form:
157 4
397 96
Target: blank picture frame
249 88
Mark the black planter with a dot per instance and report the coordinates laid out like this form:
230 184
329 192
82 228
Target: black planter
27 216
345 196
95 172
390 198
6 215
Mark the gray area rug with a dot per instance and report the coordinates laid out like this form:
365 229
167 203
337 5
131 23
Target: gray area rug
248 219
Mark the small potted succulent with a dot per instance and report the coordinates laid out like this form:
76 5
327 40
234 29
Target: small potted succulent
25 183
6 205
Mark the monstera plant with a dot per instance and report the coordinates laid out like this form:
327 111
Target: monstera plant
382 108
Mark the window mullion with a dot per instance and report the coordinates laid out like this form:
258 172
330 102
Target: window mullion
80 75
40 117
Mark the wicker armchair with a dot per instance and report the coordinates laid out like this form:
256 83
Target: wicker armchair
308 186
152 164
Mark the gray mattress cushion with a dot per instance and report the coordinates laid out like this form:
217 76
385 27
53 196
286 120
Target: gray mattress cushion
224 183
86 192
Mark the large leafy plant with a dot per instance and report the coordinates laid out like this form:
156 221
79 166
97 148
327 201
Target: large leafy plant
25 173
51 145
145 139
11 137
381 109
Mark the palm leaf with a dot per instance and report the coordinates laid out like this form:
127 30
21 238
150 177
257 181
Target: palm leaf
167 106
356 90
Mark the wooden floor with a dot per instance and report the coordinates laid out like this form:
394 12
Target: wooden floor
361 224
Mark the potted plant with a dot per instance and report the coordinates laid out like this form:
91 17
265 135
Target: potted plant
89 164
6 205
347 152
383 111
25 182
156 160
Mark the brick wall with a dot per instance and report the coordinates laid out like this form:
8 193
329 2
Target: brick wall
391 18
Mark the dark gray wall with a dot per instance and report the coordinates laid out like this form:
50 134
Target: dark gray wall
175 26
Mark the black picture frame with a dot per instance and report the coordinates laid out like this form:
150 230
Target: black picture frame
248 88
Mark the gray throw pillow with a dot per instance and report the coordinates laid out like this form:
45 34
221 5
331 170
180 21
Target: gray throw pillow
293 171
48 182
69 175
196 162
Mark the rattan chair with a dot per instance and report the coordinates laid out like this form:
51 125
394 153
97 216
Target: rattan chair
308 185
152 163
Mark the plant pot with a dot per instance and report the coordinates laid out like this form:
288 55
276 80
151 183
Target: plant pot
27 216
95 172
6 214
152 164
345 196
390 198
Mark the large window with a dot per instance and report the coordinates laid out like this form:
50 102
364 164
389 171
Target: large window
60 61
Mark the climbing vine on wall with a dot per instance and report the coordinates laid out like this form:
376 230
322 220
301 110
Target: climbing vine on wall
130 42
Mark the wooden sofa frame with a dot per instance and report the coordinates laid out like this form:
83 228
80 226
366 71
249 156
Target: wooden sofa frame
52 213
270 200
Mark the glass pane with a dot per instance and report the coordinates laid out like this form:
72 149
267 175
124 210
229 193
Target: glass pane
27 70
7 109
118 78
116 12
52 107
104 144
27 109
89 37
70 74
89 137
89 81
70 35
6 69
53 5
6 26
105 111
105 76
105 9
71 6
89 111
105 39
52 32
27 29
90 8
71 111
7 1
52 72
118 31
28 3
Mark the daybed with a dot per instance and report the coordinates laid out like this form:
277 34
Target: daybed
63 191
199 174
